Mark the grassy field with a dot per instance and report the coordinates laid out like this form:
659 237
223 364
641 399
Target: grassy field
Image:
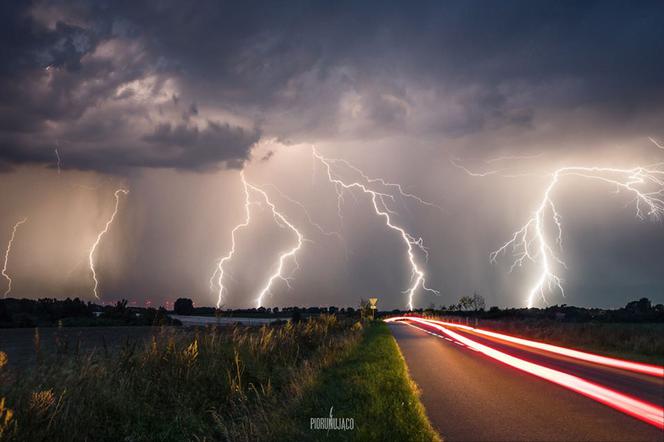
372 386
238 384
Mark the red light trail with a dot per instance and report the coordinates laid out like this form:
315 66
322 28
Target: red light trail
647 412
637 367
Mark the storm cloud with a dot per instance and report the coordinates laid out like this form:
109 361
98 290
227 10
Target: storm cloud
155 91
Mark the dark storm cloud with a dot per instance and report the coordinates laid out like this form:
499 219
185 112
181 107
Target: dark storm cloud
453 68
121 86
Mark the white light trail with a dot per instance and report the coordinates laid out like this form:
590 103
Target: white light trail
99 236
381 208
531 242
7 252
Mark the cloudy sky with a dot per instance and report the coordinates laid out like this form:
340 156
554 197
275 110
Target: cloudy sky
171 100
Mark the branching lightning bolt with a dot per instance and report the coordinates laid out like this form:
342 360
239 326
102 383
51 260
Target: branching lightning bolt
282 221
7 252
285 256
531 242
99 236
383 182
307 215
381 208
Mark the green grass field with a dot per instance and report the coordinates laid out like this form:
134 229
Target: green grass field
235 384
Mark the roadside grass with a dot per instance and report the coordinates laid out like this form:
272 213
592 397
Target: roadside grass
372 386
210 384
639 342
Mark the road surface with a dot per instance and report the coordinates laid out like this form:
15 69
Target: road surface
470 396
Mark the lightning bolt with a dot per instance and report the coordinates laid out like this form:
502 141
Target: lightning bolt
383 182
282 221
307 215
531 242
99 236
57 156
382 209
456 163
7 252
285 256
220 266
656 143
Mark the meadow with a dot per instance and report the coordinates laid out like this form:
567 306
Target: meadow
216 383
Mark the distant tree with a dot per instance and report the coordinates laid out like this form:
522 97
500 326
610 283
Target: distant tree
465 303
183 306
296 316
641 306
477 302
275 310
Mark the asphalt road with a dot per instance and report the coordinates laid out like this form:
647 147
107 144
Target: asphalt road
471 397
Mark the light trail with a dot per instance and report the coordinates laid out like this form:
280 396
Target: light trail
291 253
220 266
381 209
99 236
7 252
645 411
637 367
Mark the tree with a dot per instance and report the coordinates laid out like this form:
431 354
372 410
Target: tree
465 303
641 306
477 302
183 306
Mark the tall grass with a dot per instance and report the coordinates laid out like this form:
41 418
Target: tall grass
212 384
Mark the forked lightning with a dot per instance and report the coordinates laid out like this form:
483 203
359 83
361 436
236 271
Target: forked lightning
284 257
532 242
382 209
